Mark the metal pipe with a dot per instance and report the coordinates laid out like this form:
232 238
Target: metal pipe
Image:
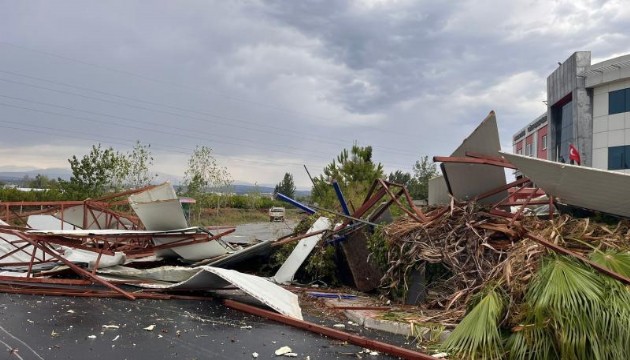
295 203
342 200
333 333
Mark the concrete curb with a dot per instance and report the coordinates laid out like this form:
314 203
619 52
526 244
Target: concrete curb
371 319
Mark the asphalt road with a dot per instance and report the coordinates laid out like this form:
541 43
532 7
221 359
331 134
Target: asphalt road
263 231
47 327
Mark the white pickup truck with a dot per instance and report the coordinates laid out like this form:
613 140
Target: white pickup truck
276 213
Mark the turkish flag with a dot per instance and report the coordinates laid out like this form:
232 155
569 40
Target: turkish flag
574 154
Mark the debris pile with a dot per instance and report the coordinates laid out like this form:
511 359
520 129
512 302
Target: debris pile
498 258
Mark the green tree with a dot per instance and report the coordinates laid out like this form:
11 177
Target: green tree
423 171
100 171
204 173
286 186
354 171
139 160
399 177
42 182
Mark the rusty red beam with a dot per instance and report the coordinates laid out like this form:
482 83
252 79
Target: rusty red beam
333 333
124 193
296 238
395 198
522 208
98 293
39 280
367 205
41 203
477 155
564 251
471 160
79 271
77 244
502 188
519 203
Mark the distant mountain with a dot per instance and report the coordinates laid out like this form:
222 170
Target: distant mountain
52 173
65 174
247 189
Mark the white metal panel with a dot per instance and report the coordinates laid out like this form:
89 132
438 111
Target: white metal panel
194 252
242 255
78 256
291 265
585 187
159 209
212 278
161 215
469 180
95 219
438 192
47 222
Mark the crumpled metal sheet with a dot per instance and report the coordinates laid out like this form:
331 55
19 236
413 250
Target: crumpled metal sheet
580 186
291 265
211 278
159 209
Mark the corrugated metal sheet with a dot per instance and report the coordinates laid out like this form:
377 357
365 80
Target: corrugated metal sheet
213 278
585 187
291 265
469 180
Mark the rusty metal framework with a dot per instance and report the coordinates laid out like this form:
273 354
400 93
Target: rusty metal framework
521 192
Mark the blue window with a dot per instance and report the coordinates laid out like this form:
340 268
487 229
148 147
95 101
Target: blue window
619 101
619 157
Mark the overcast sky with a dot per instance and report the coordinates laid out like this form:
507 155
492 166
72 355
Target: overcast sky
271 86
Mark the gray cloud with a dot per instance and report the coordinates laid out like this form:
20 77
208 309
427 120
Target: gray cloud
273 85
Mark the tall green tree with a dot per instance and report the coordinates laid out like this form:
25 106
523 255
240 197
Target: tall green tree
95 174
203 174
423 171
286 186
355 172
137 166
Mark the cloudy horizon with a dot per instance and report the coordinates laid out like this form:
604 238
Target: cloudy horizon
272 86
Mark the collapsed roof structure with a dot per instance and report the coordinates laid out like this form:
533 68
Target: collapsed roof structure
98 255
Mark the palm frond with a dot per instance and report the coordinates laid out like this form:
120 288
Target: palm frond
618 262
574 313
477 336
532 342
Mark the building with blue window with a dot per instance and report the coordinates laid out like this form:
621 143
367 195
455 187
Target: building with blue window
588 106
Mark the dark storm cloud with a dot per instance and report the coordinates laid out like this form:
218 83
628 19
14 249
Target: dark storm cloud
272 85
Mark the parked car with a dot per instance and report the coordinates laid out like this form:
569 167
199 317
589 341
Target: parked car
276 213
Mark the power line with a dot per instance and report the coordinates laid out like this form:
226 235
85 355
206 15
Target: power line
195 131
193 90
265 128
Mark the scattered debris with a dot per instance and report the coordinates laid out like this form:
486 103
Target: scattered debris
283 350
